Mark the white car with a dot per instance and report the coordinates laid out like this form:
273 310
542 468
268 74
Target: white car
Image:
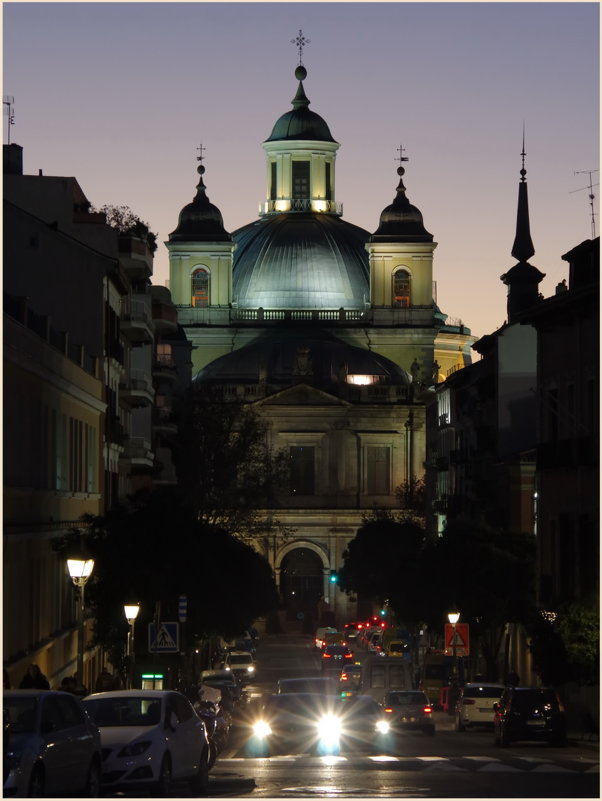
149 738
474 707
51 747
241 663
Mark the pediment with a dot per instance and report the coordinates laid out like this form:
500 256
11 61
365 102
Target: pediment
302 395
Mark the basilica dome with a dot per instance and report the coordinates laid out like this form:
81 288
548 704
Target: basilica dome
285 357
301 261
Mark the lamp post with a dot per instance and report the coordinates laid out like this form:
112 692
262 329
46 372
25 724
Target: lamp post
131 613
453 618
80 571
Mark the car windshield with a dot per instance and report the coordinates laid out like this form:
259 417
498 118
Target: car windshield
483 692
406 698
239 659
359 706
20 713
302 704
124 711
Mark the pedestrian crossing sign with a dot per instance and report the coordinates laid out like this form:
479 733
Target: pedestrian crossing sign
165 640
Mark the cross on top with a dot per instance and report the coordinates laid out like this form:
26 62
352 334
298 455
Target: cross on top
300 42
401 157
200 157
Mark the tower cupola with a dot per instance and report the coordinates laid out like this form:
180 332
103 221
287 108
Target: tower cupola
523 279
401 222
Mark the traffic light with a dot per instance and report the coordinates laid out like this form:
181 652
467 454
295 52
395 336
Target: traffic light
333 577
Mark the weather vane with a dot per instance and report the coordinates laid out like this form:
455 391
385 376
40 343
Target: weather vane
300 42
200 157
401 157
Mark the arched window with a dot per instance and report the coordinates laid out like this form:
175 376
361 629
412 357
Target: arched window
200 288
401 289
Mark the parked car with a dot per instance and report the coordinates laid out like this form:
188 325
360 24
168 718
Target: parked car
409 709
52 748
335 657
223 679
529 713
241 663
149 738
474 706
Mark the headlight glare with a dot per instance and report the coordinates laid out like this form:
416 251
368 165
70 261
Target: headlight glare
329 728
262 729
382 726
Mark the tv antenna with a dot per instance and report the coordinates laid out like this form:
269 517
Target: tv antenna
9 101
592 197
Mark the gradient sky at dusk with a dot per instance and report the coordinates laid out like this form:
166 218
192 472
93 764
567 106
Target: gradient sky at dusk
120 95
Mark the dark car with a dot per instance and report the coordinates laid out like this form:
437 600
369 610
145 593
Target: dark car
409 709
364 724
300 721
324 685
336 657
529 713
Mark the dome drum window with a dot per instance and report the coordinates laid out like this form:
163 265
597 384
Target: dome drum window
200 288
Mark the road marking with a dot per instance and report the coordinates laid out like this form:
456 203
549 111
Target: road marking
494 767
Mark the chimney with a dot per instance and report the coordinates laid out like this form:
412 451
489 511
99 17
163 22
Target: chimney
13 159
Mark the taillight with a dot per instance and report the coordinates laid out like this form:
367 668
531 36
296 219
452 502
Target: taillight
348 656
388 709
468 701
427 710
326 656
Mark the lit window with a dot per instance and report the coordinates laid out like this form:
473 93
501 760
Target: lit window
361 380
401 289
200 288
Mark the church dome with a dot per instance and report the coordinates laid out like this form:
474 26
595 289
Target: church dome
300 122
401 222
293 356
200 221
301 261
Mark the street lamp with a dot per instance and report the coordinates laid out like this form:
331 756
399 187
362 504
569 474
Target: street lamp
80 571
131 613
453 618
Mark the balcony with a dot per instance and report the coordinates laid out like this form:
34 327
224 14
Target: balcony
164 368
292 205
164 422
137 453
135 257
136 322
115 432
136 390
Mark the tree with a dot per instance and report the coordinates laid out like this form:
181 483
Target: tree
154 550
124 220
228 471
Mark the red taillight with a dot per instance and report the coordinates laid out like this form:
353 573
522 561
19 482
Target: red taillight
388 709
326 656
468 701
427 710
348 656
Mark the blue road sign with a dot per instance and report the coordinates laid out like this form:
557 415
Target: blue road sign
182 608
164 641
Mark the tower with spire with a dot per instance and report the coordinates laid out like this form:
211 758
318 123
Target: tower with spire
523 279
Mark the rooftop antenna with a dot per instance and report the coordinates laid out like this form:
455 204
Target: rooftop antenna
592 197
9 102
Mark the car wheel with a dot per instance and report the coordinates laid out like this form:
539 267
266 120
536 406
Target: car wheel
36 782
92 786
200 782
459 725
163 785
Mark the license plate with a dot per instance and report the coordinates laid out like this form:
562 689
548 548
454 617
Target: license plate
536 723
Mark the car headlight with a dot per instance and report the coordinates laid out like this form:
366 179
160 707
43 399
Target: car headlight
382 726
251 668
329 727
262 729
135 749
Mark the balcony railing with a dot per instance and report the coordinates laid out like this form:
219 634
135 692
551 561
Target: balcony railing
295 205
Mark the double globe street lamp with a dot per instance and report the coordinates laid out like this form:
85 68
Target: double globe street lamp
80 571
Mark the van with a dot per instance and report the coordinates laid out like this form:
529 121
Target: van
334 638
319 639
381 674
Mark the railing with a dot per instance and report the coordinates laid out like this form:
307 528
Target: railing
266 315
135 310
284 205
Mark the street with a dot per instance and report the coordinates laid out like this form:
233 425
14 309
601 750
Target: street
448 765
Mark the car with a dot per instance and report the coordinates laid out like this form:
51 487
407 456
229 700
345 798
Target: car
51 746
335 657
350 680
241 663
364 724
223 679
474 706
333 638
352 630
325 685
149 739
319 638
409 709
299 721
529 713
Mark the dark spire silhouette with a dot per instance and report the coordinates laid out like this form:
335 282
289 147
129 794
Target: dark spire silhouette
523 246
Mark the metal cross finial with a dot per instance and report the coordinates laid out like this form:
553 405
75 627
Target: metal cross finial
401 157
8 101
300 42
523 172
200 148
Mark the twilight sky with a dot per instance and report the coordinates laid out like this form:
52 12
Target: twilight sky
120 95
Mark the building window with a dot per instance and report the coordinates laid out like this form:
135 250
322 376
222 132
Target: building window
302 470
300 180
200 288
164 354
273 175
401 289
378 470
328 182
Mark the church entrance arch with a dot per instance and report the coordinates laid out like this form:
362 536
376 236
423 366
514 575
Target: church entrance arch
301 585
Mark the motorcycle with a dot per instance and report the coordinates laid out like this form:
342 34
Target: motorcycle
217 724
